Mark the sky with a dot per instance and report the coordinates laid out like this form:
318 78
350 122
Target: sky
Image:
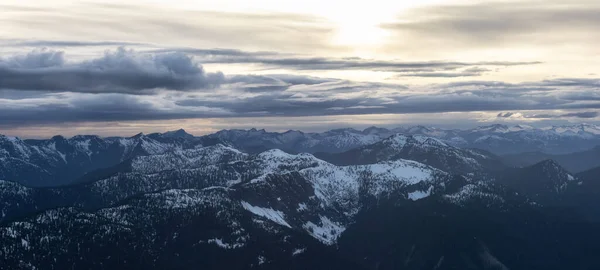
123 67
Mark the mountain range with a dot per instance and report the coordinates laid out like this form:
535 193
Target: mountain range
62 161
498 139
371 199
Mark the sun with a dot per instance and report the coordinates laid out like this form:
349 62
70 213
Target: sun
359 25
357 33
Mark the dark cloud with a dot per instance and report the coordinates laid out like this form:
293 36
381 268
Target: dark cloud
276 82
110 88
440 74
323 63
584 115
120 71
293 62
102 107
581 115
578 82
582 96
275 60
39 58
69 43
431 73
505 115
287 95
217 52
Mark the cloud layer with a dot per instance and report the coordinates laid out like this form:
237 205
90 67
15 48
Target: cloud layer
119 71
124 85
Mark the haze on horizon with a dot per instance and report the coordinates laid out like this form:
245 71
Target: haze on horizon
109 68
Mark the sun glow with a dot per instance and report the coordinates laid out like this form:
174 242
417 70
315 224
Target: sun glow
356 23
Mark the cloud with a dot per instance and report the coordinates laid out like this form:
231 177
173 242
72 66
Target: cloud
119 71
165 24
439 74
39 58
505 115
80 107
354 63
581 115
276 60
67 43
126 85
274 82
285 95
584 115
501 23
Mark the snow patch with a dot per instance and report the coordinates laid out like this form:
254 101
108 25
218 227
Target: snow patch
268 213
419 194
224 245
328 232
301 207
261 260
298 251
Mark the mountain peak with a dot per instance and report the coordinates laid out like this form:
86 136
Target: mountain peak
400 140
342 130
180 133
493 128
58 138
374 130
549 164
552 170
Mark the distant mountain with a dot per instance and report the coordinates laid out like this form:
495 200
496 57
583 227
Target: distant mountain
180 133
544 182
255 141
573 162
59 160
502 139
427 150
498 139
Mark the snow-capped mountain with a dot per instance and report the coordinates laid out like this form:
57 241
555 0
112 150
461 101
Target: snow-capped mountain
498 139
336 190
502 139
337 140
428 150
160 200
170 229
60 160
241 197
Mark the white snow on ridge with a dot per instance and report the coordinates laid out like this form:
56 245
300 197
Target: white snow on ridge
224 245
298 251
268 213
469 192
328 232
301 207
419 194
84 146
411 172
